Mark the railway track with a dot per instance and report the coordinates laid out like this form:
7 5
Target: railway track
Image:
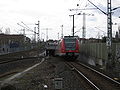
10 62
12 65
20 57
20 73
15 59
92 79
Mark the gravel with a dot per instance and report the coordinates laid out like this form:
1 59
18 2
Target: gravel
43 77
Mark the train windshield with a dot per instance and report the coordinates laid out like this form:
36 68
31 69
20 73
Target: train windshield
70 44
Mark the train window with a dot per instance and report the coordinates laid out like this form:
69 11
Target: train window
70 44
70 40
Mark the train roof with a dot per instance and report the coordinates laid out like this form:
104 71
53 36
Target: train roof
68 37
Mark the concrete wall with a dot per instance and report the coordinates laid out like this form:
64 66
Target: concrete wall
99 51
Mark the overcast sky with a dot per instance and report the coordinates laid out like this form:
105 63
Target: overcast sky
54 13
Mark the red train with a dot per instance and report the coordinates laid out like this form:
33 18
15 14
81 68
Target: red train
68 47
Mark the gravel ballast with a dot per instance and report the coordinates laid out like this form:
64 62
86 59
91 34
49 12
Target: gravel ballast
44 75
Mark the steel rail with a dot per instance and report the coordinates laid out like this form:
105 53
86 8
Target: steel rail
21 73
85 77
101 74
16 59
21 58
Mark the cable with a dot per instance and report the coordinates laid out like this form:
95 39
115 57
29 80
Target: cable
97 7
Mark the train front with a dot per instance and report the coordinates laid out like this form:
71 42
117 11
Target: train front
70 46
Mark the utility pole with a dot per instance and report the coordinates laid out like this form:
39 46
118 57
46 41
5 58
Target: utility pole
62 31
109 33
84 26
35 33
109 30
28 28
1 30
23 31
46 32
84 23
24 34
38 24
58 35
73 25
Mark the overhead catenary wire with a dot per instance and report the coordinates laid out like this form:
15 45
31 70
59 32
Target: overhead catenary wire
97 7
29 29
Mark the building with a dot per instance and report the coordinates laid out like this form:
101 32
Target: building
12 43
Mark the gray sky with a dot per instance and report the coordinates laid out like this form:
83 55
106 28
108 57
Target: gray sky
54 13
